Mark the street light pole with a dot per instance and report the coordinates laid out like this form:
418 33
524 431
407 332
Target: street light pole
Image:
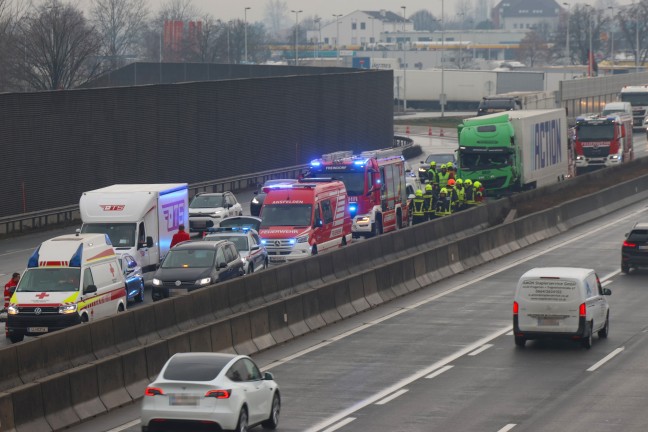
245 30
404 65
337 37
442 96
637 40
590 55
318 22
567 40
612 38
229 25
296 12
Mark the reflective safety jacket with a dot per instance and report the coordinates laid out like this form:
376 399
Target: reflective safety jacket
443 207
433 176
427 206
418 206
443 178
469 195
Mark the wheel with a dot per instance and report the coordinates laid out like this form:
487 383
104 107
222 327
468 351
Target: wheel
250 269
121 307
314 250
242 425
625 268
344 242
273 420
520 341
266 263
16 338
139 298
399 219
603 333
587 340
376 227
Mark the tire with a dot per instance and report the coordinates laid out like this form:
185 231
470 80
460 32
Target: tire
603 333
587 340
121 308
16 338
625 268
376 227
344 242
250 269
520 341
314 250
242 425
139 298
275 410
399 219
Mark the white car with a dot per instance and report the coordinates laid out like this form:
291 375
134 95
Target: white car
242 231
206 210
199 389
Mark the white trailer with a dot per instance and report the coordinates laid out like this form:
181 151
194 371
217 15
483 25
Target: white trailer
140 219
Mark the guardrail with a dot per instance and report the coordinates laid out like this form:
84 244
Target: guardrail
69 214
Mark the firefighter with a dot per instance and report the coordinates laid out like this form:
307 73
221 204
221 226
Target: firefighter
479 192
432 174
452 194
443 206
443 176
418 210
469 193
461 194
9 289
429 202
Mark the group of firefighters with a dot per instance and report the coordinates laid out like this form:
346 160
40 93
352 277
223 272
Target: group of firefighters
444 194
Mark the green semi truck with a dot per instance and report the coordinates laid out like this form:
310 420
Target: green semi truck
514 151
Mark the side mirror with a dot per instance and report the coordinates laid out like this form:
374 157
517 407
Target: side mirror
90 289
149 241
222 265
318 223
607 291
256 192
268 376
132 264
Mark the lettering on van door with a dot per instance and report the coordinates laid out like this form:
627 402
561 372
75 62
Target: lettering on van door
548 290
547 144
174 214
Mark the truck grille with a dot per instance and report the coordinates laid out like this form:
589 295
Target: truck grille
601 151
495 183
44 310
183 284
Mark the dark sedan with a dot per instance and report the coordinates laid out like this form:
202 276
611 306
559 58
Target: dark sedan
259 194
194 264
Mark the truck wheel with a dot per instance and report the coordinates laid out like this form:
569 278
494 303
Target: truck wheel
344 242
399 219
16 338
139 298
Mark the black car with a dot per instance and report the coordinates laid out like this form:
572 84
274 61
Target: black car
439 158
634 252
259 194
195 264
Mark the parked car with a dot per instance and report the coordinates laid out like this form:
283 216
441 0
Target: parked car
194 264
134 279
439 158
222 391
206 210
259 194
239 231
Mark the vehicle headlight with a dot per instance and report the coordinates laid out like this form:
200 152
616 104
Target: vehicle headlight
204 281
579 158
302 239
68 309
255 201
12 310
363 219
215 215
157 282
422 170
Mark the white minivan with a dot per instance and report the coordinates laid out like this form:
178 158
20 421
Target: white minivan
560 302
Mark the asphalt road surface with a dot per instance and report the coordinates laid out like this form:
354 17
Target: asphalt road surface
443 358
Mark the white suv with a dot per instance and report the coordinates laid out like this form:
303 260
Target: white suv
206 210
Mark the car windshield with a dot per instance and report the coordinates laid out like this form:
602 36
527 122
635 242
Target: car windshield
635 99
286 215
602 132
195 367
439 158
189 258
638 236
353 181
120 234
240 241
50 280
611 111
469 161
207 201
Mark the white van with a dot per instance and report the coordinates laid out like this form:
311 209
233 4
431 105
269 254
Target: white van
560 302
617 108
69 279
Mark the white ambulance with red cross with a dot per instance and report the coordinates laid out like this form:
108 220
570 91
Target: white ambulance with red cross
69 279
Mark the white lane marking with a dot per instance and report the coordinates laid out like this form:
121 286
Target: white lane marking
19 250
606 283
480 350
509 334
392 397
439 372
406 381
125 426
508 427
605 359
343 423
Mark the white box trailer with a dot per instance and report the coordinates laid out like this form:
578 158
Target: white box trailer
140 219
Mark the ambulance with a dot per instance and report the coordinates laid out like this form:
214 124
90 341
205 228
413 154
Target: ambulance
304 219
69 279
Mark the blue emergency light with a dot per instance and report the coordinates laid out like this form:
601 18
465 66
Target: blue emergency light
75 261
315 163
33 260
353 209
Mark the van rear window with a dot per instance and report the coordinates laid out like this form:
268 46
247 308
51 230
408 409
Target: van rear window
548 290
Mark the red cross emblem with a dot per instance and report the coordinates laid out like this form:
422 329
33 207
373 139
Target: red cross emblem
42 295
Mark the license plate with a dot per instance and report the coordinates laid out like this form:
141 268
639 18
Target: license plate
173 292
643 247
37 329
199 224
547 321
277 259
180 399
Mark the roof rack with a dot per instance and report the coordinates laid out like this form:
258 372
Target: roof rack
382 153
338 155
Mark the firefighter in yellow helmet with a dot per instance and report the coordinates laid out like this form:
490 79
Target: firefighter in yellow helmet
418 208
479 192
427 206
443 176
443 205
469 193
461 195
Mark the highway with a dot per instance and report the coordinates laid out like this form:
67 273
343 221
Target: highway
443 358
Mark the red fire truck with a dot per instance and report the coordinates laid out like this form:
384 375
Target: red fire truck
602 141
375 183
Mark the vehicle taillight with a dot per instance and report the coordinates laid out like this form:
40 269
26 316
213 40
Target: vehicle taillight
516 308
628 244
153 391
219 394
582 310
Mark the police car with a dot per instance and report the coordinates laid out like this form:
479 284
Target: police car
242 231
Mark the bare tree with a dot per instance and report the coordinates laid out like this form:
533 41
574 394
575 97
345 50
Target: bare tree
120 24
425 21
533 49
178 10
60 48
11 11
276 16
632 23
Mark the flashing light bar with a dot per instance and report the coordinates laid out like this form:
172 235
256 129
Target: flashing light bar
315 163
243 228
331 157
382 153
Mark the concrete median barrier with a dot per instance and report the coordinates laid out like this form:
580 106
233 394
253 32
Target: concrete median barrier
145 325
124 331
165 318
420 269
221 337
80 352
310 304
6 413
278 321
184 312
110 378
236 295
219 297
370 285
28 412
326 303
157 353
84 388
398 278
254 290
260 328
200 339
9 377
384 284
295 316
242 334
327 270
342 300
135 372
284 280
202 312
340 264
102 335
31 362
313 273
269 286
57 401
178 343
357 294
409 274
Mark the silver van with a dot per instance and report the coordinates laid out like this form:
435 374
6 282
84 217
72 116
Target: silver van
617 107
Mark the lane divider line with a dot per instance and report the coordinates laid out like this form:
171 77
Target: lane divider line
508 427
125 426
509 334
439 372
480 350
605 359
343 423
392 397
